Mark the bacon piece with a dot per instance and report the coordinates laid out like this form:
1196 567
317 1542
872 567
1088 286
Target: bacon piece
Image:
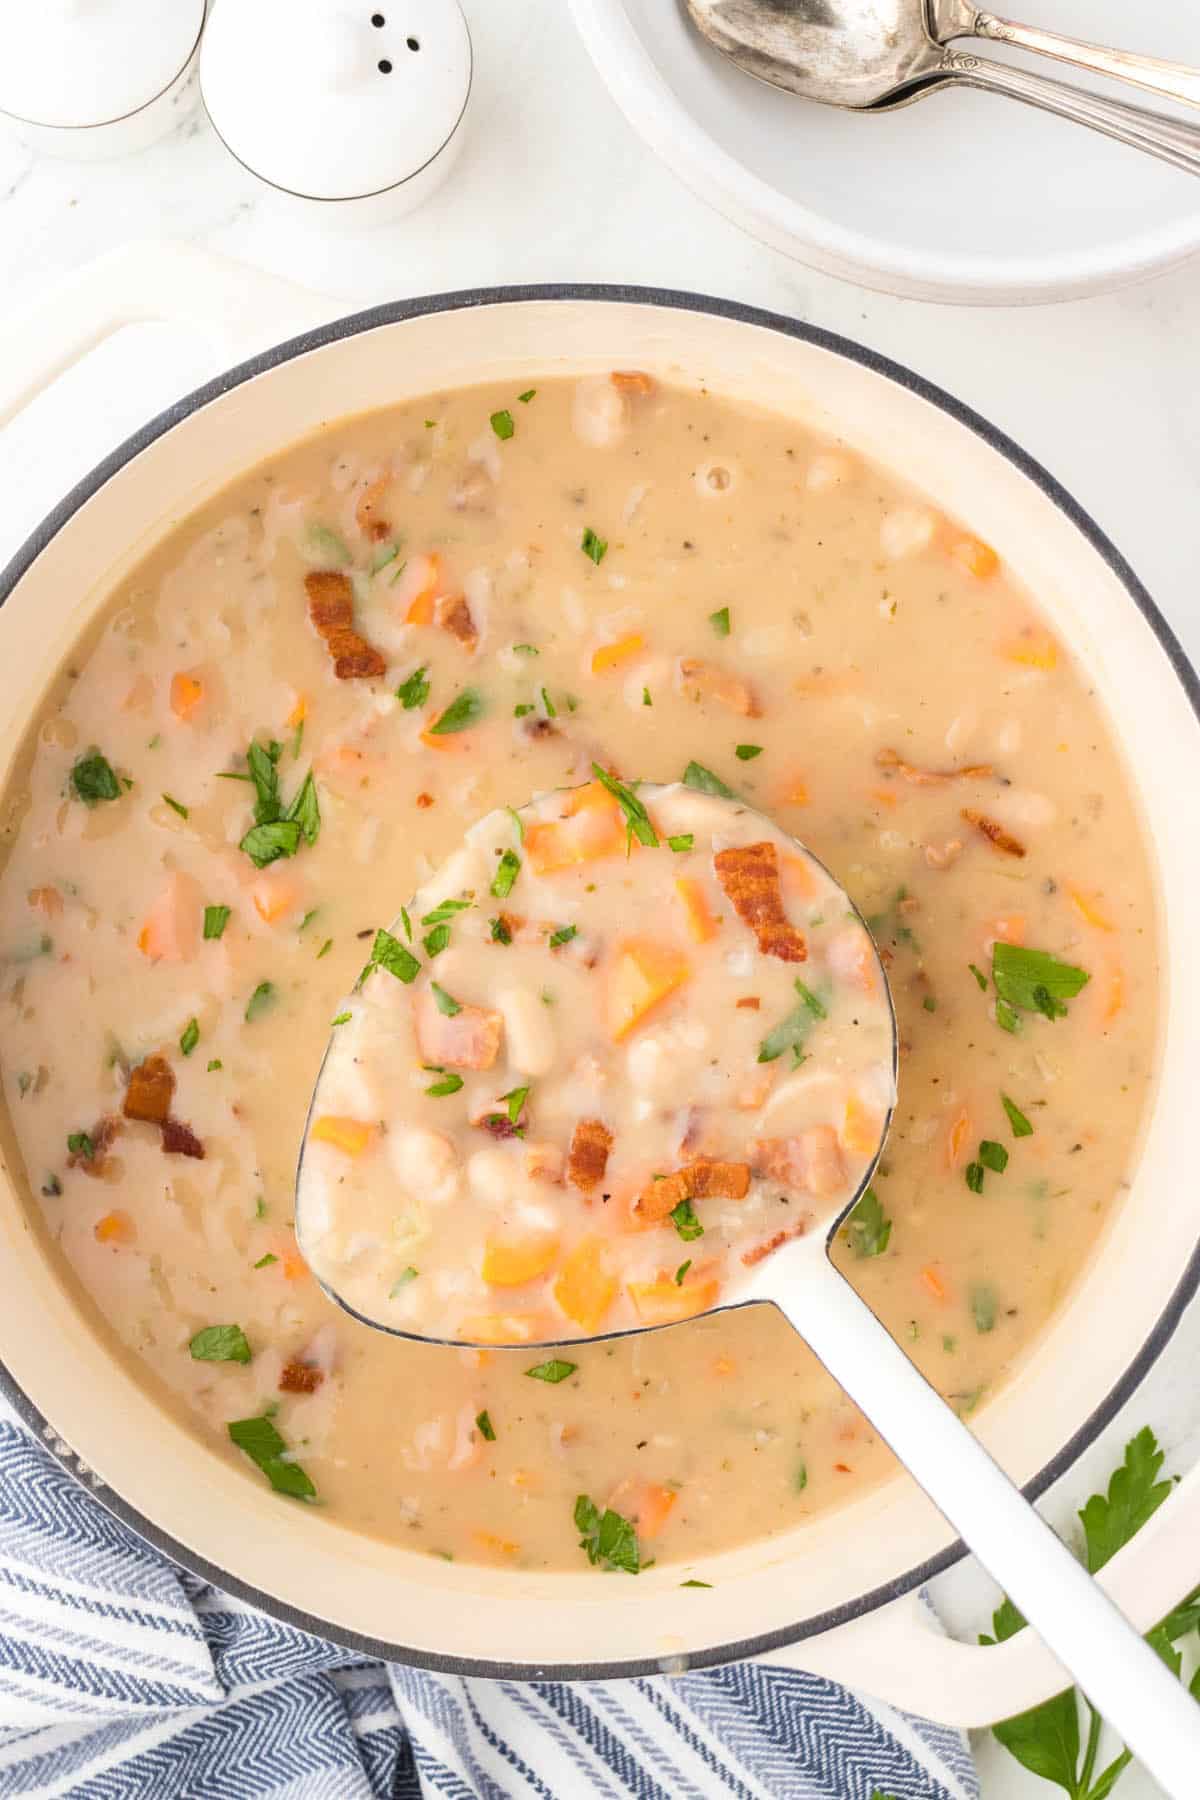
587 1160
633 381
704 1179
366 513
994 833
749 874
750 1001
179 1139
452 613
150 1091
894 764
811 1161
331 609
101 1136
300 1377
704 681
468 1040
759 1251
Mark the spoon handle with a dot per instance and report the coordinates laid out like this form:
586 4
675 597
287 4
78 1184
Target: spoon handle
1175 141
1170 80
1116 1669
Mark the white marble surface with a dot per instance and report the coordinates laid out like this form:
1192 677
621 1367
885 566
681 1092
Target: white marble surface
553 185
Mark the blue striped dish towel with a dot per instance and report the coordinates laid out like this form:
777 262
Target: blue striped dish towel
124 1677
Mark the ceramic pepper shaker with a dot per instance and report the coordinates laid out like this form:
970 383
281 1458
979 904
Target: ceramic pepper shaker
97 78
354 110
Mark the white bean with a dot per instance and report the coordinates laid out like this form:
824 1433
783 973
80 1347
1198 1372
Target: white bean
528 1029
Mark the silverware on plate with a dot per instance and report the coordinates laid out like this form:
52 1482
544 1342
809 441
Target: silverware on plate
876 55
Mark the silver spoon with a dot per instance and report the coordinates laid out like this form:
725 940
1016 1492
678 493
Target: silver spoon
1115 1667
876 55
1174 81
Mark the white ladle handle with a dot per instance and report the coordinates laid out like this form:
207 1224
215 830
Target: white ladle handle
1175 141
1118 1671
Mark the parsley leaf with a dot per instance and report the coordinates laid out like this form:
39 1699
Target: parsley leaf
683 1218
993 1156
264 1446
449 1084
215 920
389 953
176 806
1134 1495
563 935
1035 981
484 1426
593 546
436 940
464 710
973 1175
305 810
191 1036
720 621
507 870
553 1371
636 816
868 1228
527 396
220 1343
747 752
415 691
333 548
980 977
93 778
984 1306
792 1031
260 1001
445 909
79 1143
1016 1118
681 1271
501 930
446 1003
266 843
703 781
608 1538
502 423
684 841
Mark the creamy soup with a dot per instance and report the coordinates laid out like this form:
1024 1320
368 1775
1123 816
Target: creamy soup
641 1099
286 720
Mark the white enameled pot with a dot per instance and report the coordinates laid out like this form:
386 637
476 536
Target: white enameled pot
837 1595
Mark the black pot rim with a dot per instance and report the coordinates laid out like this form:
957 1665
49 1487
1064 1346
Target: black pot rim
395 312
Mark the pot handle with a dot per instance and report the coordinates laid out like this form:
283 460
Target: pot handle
236 308
900 1655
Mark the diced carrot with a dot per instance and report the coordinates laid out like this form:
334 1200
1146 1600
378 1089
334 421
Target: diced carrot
795 876
352 1136
1033 648
586 1288
647 1503
666 1301
497 1546
298 713
700 922
611 656
852 957
171 930
593 827
505 1328
1091 907
972 554
705 681
752 1094
645 973
292 1265
514 1261
115 1228
795 792
46 900
632 381
1009 928
275 892
957 1135
931 1280
724 1365
861 1128
419 587
885 797
187 694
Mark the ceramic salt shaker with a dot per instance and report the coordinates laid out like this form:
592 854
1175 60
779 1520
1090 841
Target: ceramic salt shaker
351 109
96 78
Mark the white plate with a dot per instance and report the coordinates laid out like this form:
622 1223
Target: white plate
961 197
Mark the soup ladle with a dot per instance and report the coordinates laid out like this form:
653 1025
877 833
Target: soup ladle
876 55
1121 1675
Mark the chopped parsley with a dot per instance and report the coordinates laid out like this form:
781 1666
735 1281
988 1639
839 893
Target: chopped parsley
387 553
406 922
216 918
1006 1017
793 1029
93 778
501 931
176 806
449 1084
264 1446
681 1271
1016 1118
514 1101
703 781
527 396
502 423
593 546
929 1003
341 1018
326 947
446 1003
507 870
720 622
191 1036
436 940
694 1583
646 700
402 1280
80 1144
973 1174
1035 981
523 707
636 816
445 909
261 1000
684 841
553 1371
305 810
526 650
868 1228
220 1343
415 691
563 935
216 1063
464 710
980 977
993 1156
264 1262
609 1539
683 1218
983 1306
332 547
747 752
484 1426
389 953
548 705
265 844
